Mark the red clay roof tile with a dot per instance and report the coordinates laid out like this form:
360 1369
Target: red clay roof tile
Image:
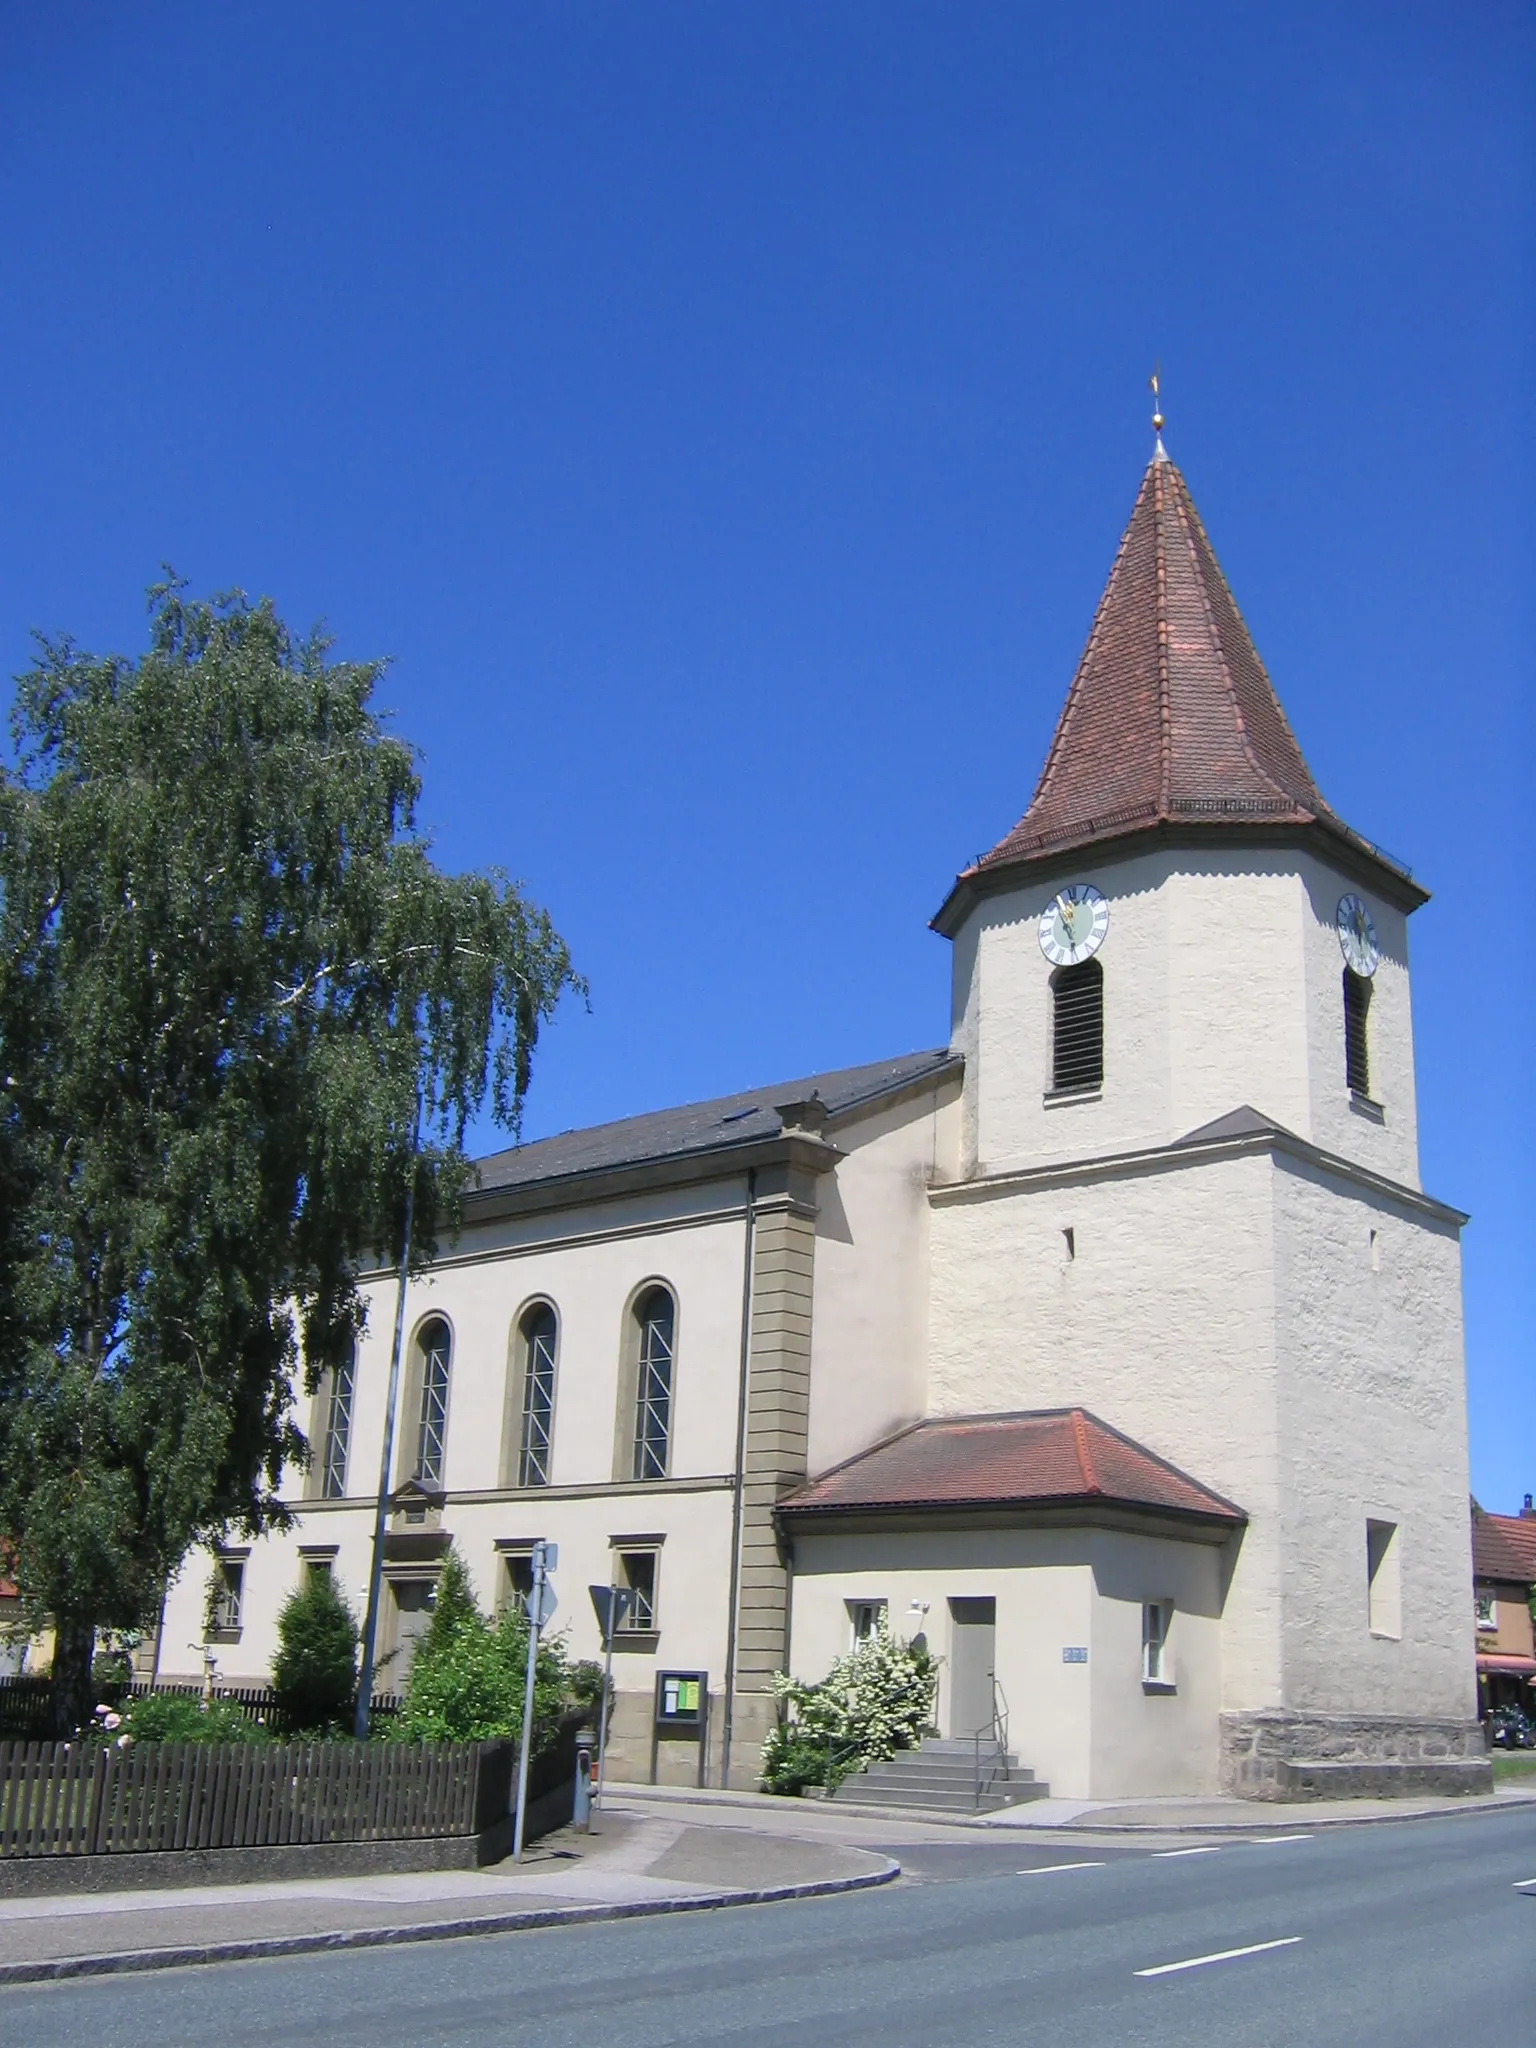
1504 1547
1053 1456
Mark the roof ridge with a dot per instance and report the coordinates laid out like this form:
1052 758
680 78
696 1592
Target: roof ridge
1084 1454
1164 703
1095 630
1185 506
1237 611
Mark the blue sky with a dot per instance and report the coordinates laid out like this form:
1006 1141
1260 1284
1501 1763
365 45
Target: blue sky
725 417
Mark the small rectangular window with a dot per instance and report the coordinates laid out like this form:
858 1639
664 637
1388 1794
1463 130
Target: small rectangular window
226 1594
1487 1610
1156 1663
864 1618
1383 1579
518 1581
637 1571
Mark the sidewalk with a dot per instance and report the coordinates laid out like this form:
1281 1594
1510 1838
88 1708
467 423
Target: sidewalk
642 1861
1135 1817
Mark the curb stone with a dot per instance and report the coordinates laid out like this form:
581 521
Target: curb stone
134 1960
1298 1814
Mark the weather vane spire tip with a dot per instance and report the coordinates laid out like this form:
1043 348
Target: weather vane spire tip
1153 383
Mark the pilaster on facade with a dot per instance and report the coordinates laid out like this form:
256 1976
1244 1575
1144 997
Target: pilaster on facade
777 1422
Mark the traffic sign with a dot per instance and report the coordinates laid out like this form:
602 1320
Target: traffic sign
539 1605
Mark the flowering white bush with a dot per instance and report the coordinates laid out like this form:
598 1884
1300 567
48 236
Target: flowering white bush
875 1700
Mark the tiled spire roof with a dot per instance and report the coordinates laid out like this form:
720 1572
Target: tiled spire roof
1170 714
1170 719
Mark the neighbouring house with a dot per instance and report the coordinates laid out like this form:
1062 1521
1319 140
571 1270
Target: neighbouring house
1113 1343
1504 1571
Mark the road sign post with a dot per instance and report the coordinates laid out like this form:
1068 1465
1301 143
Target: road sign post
609 1604
540 1606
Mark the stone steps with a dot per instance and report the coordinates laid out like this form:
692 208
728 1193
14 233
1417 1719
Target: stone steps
940 1777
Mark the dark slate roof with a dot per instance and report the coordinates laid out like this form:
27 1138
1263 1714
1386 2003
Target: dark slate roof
1056 1456
1237 1123
1504 1547
699 1127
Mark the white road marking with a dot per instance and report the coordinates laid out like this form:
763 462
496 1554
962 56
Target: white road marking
1275 1841
1050 1869
1225 1955
1525 1884
1212 1849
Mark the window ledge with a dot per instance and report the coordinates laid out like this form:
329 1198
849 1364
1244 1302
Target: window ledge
1060 1098
1164 1686
222 1635
1362 1105
1386 1635
643 1641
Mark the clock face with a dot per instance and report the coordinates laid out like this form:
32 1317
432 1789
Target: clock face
1073 924
1357 937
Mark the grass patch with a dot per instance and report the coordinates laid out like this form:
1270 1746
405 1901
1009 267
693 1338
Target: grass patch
1517 1764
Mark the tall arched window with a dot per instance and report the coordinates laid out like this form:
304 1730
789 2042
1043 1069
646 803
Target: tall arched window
537 1337
1077 1026
338 1427
435 1343
656 1316
1357 1050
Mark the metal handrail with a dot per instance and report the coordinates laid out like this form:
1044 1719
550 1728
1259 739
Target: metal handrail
996 1729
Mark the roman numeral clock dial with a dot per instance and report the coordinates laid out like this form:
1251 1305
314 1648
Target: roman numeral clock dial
1073 924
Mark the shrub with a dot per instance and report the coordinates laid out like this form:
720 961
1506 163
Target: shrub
181 1717
314 1674
874 1701
466 1678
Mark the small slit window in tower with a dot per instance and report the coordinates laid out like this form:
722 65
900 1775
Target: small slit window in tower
1077 1026
1357 1052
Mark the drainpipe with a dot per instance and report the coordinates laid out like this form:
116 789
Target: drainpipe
738 1502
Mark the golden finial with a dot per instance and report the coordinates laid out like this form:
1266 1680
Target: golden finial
1157 405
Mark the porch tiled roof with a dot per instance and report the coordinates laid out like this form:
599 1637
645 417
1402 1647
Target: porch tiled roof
1049 1457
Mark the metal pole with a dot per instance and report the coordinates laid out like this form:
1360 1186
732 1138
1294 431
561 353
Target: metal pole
381 1506
602 1725
536 1611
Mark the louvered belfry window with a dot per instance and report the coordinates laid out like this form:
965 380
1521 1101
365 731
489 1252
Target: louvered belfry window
1077 1026
1357 1050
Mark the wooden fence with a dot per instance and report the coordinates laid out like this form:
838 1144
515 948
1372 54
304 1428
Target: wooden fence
86 1798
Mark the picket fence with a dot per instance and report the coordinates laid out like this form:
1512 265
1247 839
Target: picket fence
87 1798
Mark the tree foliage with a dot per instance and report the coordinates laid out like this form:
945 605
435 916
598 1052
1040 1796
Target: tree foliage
239 1005
875 1700
314 1674
468 1674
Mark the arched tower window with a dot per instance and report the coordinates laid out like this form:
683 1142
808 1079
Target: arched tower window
435 1344
1357 1048
1077 1026
338 1427
656 1320
538 1334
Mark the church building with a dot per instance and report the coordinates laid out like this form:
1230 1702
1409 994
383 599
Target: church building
1112 1345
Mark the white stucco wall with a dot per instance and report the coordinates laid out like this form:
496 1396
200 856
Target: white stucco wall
1372 1425
1163 1324
1087 1730
868 1342
1222 986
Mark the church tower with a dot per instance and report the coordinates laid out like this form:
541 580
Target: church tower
1187 1193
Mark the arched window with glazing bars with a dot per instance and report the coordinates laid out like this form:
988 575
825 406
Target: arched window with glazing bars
656 1320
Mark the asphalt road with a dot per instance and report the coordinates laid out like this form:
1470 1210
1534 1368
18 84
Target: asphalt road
1417 1933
